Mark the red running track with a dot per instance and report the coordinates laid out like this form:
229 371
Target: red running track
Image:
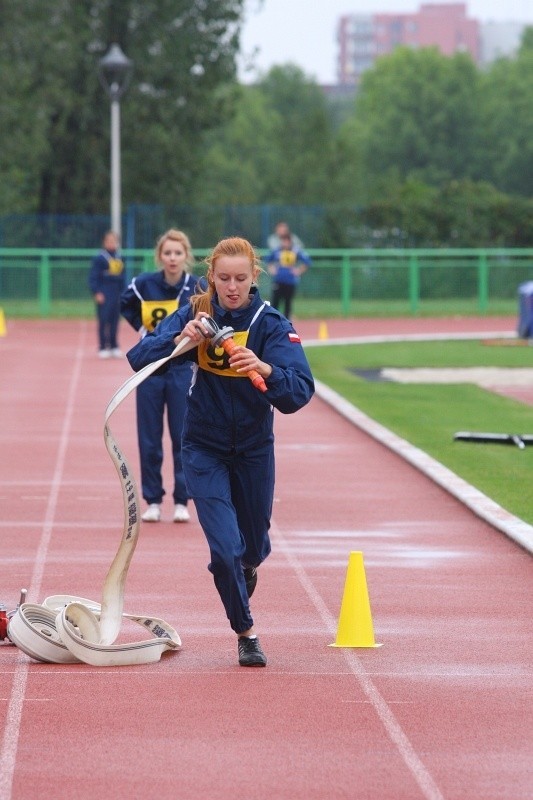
441 710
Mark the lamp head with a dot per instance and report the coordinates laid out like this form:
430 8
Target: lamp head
114 72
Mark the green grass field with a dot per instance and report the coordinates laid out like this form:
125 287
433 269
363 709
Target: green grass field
428 415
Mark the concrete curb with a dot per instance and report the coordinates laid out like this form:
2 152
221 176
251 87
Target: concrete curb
408 337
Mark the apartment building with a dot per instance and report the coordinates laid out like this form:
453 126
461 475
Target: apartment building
362 38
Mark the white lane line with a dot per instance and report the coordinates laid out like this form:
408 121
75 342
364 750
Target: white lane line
14 712
427 785
33 699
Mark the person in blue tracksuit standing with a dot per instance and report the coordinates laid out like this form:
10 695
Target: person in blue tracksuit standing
280 229
286 263
148 299
228 432
106 282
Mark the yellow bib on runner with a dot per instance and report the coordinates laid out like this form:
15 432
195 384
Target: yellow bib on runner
215 359
287 258
116 265
153 311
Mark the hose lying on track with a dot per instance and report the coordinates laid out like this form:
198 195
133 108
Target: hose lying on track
66 628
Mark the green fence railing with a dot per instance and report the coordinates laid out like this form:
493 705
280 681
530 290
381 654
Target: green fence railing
344 278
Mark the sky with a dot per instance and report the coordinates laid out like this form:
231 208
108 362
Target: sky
303 32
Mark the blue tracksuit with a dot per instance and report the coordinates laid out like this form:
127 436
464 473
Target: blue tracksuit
147 300
284 282
285 259
228 438
107 276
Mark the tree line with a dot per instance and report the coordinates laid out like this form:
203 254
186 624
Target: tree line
431 151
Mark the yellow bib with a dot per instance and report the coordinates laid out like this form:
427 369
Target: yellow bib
287 258
153 311
215 359
116 265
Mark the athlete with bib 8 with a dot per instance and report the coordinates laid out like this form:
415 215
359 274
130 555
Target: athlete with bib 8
228 433
150 297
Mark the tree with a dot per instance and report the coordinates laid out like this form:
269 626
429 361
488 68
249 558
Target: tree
240 163
506 155
304 142
55 115
416 116
276 148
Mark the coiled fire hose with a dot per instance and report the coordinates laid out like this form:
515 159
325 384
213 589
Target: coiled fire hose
65 628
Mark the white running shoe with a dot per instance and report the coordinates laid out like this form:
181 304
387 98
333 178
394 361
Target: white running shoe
116 352
104 354
181 514
152 513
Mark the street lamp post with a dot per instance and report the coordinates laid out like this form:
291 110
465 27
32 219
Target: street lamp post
114 71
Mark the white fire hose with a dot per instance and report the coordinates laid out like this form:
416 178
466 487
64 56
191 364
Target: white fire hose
66 628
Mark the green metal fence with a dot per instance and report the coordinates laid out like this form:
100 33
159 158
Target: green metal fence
344 278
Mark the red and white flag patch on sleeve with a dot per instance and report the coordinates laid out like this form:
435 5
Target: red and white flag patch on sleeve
293 337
